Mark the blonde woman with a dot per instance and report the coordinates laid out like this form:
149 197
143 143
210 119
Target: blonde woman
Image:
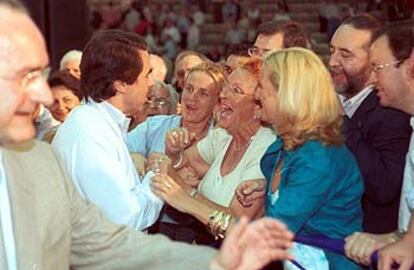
313 181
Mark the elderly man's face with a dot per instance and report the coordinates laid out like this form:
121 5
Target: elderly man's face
23 58
72 66
348 62
159 101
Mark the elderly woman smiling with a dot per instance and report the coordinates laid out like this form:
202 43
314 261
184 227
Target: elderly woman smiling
313 181
226 157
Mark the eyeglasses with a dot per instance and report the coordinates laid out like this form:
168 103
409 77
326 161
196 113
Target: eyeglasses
158 102
256 51
30 78
377 68
33 76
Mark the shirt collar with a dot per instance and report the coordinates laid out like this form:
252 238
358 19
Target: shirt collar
116 115
351 105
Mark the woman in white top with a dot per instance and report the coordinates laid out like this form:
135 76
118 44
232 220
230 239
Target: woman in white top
225 158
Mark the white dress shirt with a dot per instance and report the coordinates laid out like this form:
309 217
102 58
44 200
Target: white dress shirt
91 143
6 221
351 105
407 192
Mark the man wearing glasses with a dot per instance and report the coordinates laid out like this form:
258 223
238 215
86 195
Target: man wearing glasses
278 35
392 59
162 99
378 137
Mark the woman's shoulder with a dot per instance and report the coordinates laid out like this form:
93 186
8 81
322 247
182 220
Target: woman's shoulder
315 154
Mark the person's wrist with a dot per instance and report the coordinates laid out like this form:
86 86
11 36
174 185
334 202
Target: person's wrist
408 238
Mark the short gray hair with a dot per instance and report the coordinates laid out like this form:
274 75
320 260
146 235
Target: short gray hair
69 56
174 96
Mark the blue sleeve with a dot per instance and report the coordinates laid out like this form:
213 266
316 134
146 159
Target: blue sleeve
137 139
303 190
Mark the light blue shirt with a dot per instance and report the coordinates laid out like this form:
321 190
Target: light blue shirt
149 136
92 144
6 221
407 192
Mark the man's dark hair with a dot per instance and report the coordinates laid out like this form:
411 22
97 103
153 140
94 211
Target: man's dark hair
238 49
400 40
364 22
294 34
15 5
64 78
110 56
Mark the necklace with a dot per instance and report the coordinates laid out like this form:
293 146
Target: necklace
239 147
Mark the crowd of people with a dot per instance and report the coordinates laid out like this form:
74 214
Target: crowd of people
235 161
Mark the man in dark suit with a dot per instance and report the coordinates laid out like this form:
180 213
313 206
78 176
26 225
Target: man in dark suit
377 136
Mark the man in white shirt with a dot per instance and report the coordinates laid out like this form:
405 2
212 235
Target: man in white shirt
91 141
378 137
394 76
45 224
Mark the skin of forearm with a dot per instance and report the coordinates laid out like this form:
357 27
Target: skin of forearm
201 208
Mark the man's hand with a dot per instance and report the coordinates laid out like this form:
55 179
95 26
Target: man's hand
360 246
401 252
250 246
249 191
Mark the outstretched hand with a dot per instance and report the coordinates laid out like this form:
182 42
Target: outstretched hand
250 246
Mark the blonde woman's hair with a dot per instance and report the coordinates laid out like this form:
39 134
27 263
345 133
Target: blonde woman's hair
307 106
213 70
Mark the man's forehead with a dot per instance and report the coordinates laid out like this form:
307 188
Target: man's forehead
350 38
158 92
269 42
380 51
21 43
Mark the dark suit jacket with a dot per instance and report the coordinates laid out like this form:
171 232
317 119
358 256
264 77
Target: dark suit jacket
379 137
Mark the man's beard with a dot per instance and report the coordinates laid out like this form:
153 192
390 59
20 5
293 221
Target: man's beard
352 85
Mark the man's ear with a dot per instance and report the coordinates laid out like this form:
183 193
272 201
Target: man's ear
120 86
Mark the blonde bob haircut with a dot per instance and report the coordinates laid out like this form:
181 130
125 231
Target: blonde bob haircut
307 105
213 70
